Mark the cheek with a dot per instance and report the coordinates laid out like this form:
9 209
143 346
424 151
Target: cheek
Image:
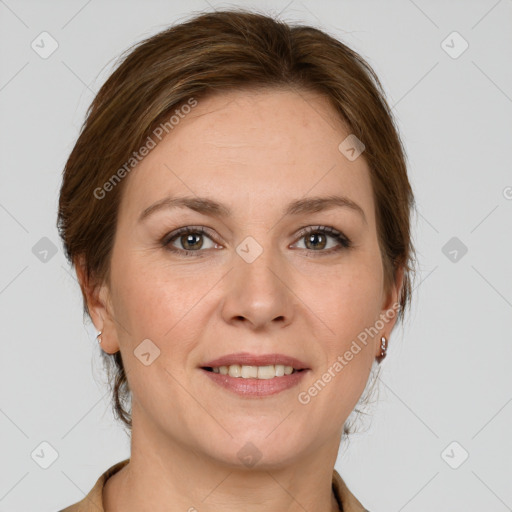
160 303
350 307
167 304
351 299
152 295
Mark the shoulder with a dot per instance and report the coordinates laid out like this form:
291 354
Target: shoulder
348 502
93 501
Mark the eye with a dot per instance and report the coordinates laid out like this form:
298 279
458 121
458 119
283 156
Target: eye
316 239
191 240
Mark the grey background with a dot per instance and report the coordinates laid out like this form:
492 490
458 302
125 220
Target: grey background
447 376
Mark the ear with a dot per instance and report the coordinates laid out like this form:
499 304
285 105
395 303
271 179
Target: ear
390 308
97 299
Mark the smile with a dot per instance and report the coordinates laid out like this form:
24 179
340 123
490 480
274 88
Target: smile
247 386
253 372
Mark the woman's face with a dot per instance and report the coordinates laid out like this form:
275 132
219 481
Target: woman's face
251 283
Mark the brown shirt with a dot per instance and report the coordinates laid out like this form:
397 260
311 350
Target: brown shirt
93 502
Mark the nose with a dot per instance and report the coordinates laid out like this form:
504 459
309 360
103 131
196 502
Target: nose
259 293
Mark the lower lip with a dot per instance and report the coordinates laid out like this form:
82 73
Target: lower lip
256 387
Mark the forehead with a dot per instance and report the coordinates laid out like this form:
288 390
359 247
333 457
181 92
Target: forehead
251 147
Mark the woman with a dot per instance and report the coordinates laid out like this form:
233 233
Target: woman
237 210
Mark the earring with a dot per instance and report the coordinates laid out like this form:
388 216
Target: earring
98 337
383 349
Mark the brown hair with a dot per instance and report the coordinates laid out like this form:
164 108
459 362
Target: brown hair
215 52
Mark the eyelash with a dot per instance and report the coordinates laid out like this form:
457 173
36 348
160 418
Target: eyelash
345 243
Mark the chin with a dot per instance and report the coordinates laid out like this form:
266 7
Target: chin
254 452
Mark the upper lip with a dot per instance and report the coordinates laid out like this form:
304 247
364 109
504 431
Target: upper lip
247 359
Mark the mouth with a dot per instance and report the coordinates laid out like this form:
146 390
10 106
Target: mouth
254 372
247 365
255 375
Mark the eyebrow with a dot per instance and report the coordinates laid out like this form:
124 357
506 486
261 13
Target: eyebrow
210 207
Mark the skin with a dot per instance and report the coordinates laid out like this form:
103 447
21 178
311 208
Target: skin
253 151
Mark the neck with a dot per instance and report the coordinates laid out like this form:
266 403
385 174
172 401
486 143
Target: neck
164 474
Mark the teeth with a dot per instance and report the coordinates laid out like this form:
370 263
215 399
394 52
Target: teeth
255 372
